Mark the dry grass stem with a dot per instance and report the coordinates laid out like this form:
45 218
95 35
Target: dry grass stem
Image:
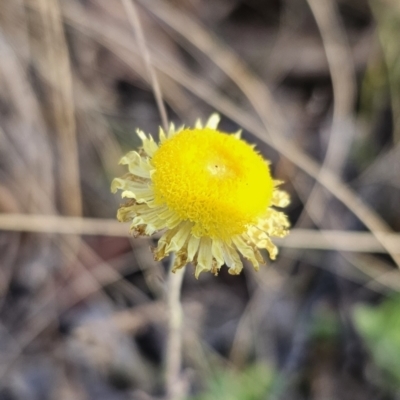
342 129
54 64
299 238
134 20
173 359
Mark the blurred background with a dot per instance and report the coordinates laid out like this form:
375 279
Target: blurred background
315 84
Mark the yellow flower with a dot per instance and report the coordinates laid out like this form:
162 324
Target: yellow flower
211 193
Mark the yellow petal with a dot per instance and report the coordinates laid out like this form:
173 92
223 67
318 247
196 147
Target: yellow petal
204 257
193 246
137 166
232 260
246 250
179 239
149 145
217 253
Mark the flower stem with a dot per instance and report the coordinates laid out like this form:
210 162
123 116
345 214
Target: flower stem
173 359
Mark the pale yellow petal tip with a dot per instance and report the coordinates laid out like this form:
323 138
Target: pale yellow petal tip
235 271
115 185
280 198
171 130
124 185
213 121
162 135
238 134
141 134
236 268
272 250
199 269
130 157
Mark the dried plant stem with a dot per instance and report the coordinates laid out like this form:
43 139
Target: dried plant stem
173 359
134 20
340 240
54 64
341 67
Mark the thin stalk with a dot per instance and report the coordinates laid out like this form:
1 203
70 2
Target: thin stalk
134 20
173 357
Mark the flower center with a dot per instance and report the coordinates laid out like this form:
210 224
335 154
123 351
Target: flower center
213 179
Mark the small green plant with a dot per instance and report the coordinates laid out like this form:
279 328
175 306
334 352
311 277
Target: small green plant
380 327
252 383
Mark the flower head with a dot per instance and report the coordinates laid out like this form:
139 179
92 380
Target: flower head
210 192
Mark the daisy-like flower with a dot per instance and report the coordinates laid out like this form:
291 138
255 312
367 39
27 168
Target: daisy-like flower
210 192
